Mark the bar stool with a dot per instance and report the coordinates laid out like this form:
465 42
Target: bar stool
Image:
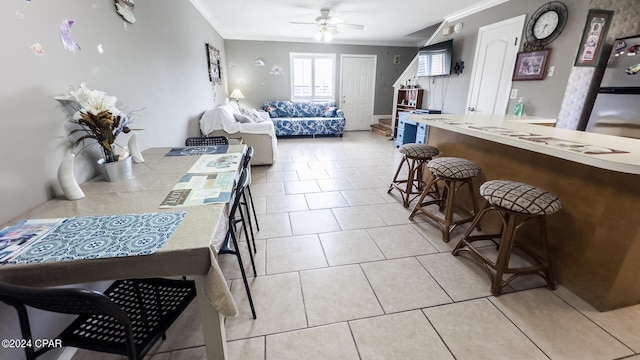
453 173
516 204
415 156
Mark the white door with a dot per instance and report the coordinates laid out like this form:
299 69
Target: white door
357 90
494 61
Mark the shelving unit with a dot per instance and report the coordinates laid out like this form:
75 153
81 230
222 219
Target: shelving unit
408 100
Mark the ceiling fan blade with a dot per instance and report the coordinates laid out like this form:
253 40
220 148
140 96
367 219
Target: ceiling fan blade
302 23
350 26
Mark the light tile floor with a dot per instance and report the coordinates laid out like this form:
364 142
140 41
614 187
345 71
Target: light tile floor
343 274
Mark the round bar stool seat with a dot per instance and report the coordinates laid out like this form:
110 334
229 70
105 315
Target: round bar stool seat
453 173
415 156
516 204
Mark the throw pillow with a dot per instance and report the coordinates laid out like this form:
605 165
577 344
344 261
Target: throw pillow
330 111
272 111
242 118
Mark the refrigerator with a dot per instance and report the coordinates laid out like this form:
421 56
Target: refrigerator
616 110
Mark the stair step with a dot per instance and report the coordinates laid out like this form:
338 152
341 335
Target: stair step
381 129
386 122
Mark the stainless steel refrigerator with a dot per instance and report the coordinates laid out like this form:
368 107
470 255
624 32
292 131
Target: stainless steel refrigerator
616 110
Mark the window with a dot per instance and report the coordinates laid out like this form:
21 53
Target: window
312 77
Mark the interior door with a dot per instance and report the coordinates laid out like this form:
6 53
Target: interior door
494 61
357 90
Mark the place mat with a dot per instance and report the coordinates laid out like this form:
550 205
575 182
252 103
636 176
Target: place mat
198 150
200 189
95 237
208 164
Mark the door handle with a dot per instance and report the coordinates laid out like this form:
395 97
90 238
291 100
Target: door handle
471 108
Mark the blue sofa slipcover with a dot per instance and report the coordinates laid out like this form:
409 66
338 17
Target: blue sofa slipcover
305 118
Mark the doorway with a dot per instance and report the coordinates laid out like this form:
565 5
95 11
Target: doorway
357 88
494 60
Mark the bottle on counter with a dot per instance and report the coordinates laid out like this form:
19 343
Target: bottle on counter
519 108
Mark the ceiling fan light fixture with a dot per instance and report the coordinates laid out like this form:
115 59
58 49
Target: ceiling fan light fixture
323 35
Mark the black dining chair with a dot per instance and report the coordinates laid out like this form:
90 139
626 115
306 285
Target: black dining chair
126 319
230 243
246 164
206 141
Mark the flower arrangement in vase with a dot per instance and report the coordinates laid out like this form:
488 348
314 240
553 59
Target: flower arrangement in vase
99 118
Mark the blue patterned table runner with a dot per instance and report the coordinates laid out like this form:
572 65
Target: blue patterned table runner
95 237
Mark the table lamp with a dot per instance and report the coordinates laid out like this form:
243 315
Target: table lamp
236 94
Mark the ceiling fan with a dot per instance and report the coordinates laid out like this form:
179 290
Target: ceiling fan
328 25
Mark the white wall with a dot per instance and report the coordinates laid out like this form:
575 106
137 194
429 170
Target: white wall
157 64
542 97
258 85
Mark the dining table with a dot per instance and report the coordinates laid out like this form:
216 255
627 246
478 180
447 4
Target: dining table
190 250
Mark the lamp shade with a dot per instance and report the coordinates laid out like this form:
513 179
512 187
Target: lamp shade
236 94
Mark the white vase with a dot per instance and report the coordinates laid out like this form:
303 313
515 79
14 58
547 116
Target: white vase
116 170
67 178
134 150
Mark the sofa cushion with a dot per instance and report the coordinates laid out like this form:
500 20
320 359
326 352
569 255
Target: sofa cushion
243 118
290 109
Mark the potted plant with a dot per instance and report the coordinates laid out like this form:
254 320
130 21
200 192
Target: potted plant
99 118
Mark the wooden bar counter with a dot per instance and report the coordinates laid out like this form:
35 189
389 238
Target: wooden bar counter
595 238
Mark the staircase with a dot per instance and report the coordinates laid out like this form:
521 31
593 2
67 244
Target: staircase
383 127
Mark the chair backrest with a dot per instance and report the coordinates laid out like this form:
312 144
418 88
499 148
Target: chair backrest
66 301
247 156
206 141
62 300
241 185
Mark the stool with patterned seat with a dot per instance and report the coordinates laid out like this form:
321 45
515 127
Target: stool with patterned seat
516 204
453 173
415 156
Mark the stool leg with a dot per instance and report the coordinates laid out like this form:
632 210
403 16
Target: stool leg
474 206
424 194
395 177
448 214
410 178
551 283
504 253
464 240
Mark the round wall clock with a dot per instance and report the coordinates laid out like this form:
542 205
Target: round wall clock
546 24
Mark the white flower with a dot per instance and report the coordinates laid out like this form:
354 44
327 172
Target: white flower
92 101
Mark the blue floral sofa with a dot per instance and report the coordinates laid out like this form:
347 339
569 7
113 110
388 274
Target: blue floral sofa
305 118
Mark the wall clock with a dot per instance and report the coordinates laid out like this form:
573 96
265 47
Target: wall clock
545 25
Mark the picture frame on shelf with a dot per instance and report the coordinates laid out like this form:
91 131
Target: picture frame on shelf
593 37
531 65
213 64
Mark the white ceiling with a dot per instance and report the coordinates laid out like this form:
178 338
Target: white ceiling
386 22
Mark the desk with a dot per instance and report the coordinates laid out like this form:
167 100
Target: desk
187 252
595 238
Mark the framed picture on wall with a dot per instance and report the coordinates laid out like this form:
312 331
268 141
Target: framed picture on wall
213 61
593 37
531 65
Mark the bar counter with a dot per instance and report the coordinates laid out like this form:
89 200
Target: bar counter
595 238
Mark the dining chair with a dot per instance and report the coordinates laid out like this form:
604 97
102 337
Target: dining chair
206 141
126 319
247 165
230 243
